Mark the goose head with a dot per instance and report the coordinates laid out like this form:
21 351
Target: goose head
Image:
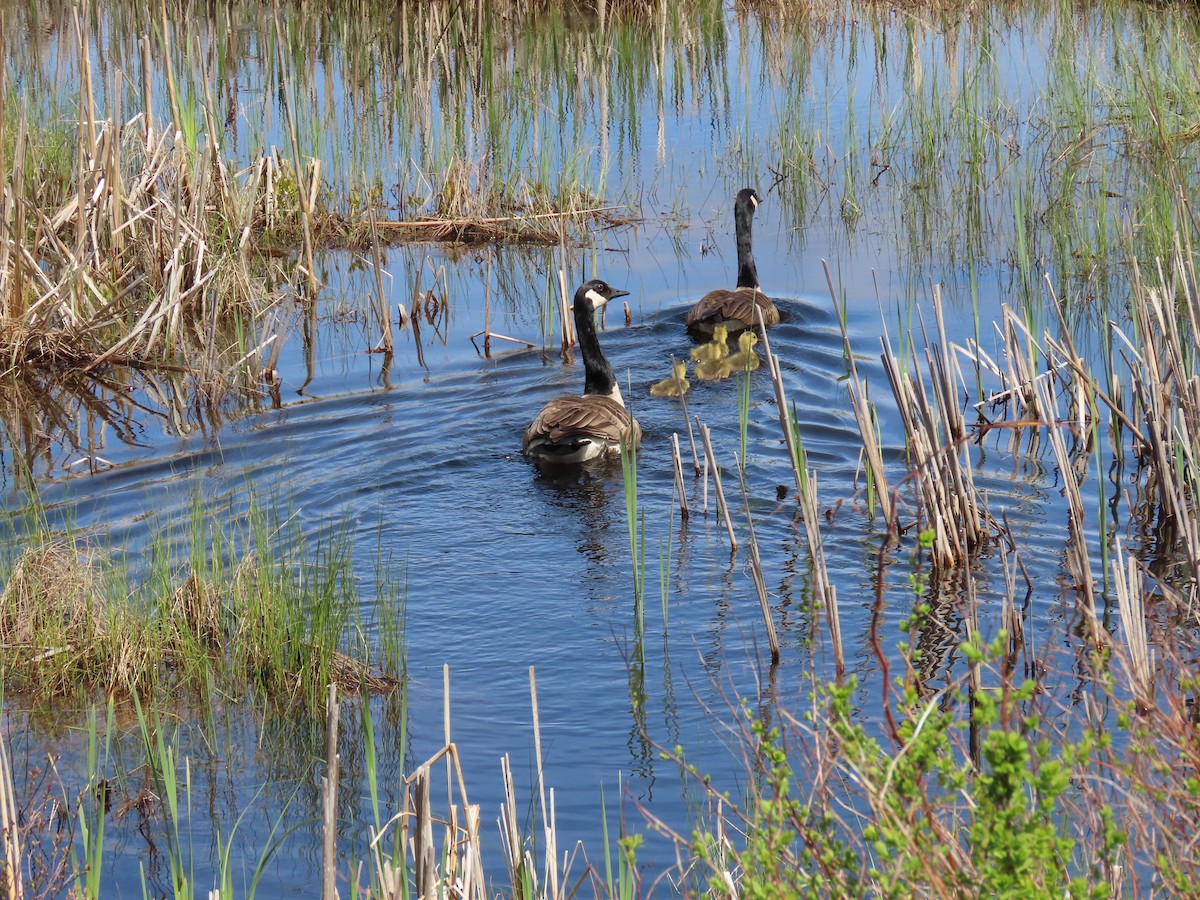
599 377
593 295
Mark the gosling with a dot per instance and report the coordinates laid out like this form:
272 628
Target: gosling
674 386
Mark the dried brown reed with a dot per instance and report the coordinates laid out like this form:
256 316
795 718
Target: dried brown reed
10 828
711 462
1049 386
864 418
756 569
1072 463
824 592
677 468
445 845
329 798
1163 369
937 445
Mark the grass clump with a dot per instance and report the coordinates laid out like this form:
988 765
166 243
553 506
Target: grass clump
253 610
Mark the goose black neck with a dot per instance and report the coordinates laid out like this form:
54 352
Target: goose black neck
743 215
599 377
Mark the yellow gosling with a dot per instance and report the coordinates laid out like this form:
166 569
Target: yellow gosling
676 385
746 359
713 369
715 350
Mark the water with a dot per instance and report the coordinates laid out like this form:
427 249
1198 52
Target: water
505 568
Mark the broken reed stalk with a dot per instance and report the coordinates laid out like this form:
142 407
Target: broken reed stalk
863 417
329 792
687 421
510 835
548 831
424 851
1138 658
677 463
381 301
10 825
711 460
824 593
756 569
781 404
936 438
1166 391
446 725
564 312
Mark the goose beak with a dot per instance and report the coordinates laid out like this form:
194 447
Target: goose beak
598 299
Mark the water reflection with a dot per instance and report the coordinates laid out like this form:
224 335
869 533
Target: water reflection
585 494
74 422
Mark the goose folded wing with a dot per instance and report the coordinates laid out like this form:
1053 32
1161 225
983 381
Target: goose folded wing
736 305
594 416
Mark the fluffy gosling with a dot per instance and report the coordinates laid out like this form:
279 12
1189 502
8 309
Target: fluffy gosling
746 359
676 385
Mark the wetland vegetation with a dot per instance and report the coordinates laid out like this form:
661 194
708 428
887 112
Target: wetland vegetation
928 576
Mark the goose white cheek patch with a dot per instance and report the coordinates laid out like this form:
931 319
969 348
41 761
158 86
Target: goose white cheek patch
597 300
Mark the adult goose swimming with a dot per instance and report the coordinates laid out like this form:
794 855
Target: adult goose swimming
574 429
736 309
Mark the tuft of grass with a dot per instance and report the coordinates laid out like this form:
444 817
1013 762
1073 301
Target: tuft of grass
253 608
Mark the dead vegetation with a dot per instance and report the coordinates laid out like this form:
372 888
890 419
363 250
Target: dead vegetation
134 241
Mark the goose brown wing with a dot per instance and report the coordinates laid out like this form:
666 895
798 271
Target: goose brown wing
736 305
591 415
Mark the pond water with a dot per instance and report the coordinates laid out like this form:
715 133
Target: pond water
503 567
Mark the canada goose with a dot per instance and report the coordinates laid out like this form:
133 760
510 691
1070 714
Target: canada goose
745 360
573 429
736 308
676 385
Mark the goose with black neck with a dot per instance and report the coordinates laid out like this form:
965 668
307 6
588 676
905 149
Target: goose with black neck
575 429
736 309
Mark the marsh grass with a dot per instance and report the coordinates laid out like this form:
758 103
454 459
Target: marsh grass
987 781
970 165
253 608
990 783
137 241
132 268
